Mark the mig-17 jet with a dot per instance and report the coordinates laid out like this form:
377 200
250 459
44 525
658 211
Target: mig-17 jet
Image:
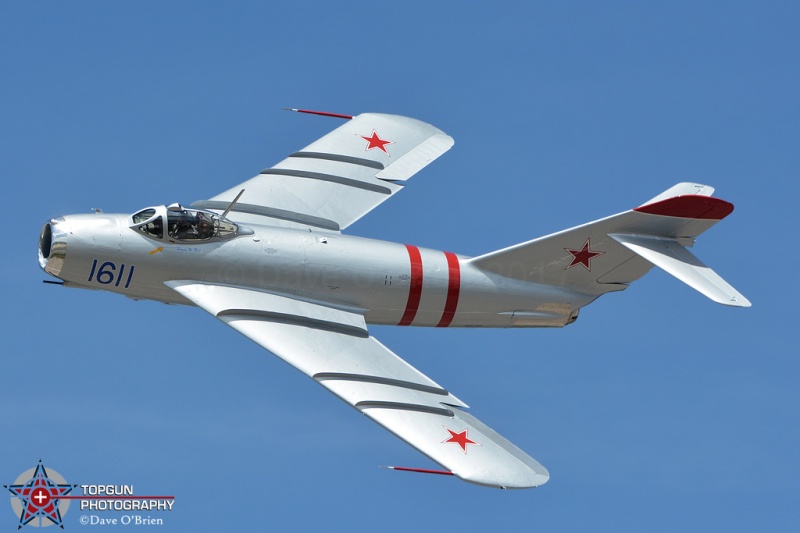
270 258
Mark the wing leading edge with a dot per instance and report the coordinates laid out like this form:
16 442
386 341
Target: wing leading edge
339 178
334 347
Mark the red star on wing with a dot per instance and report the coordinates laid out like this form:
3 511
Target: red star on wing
374 141
583 256
459 438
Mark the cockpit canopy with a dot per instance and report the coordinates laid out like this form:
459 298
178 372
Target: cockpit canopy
183 224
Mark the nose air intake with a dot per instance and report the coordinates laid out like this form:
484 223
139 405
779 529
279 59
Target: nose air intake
51 254
45 243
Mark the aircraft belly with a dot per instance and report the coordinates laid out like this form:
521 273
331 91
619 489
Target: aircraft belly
397 284
360 272
392 283
389 283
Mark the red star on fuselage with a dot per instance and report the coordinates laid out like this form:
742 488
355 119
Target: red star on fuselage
460 438
583 256
374 141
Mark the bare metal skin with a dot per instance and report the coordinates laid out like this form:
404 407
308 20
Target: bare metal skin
269 259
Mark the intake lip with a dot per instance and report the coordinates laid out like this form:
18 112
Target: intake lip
45 244
52 249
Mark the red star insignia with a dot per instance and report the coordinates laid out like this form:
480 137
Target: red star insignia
583 256
460 438
374 141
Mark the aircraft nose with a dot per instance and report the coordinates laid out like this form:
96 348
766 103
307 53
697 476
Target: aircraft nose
53 246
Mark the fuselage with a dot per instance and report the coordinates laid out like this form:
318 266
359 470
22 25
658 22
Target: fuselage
389 283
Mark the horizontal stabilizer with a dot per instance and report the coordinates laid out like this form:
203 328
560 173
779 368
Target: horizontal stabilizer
673 257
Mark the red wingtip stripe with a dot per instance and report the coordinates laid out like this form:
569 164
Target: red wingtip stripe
689 206
453 289
323 113
415 286
423 470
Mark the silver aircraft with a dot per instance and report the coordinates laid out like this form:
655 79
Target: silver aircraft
268 258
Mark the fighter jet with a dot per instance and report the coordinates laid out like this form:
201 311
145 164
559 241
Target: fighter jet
269 258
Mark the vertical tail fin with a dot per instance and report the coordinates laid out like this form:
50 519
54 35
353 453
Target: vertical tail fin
608 254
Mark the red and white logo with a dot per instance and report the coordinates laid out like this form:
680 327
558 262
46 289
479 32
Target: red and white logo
38 497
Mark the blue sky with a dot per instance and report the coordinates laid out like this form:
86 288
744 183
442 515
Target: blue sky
658 410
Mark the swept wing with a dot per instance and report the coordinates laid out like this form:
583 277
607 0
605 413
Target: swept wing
336 180
333 346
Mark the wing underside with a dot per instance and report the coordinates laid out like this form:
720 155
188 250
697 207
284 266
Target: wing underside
333 347
339 178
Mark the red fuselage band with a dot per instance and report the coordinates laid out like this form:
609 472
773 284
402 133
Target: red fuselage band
415 287
453 288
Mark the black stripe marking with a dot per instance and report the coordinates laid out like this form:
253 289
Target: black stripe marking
340 158
329 178
271 212
405 407
322 376
297 320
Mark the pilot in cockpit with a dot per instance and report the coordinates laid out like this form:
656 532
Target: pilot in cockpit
189 225
205 226
183 226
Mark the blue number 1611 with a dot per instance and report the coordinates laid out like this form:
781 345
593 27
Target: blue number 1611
107 274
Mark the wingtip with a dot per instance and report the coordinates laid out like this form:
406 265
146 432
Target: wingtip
738 301
528 482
